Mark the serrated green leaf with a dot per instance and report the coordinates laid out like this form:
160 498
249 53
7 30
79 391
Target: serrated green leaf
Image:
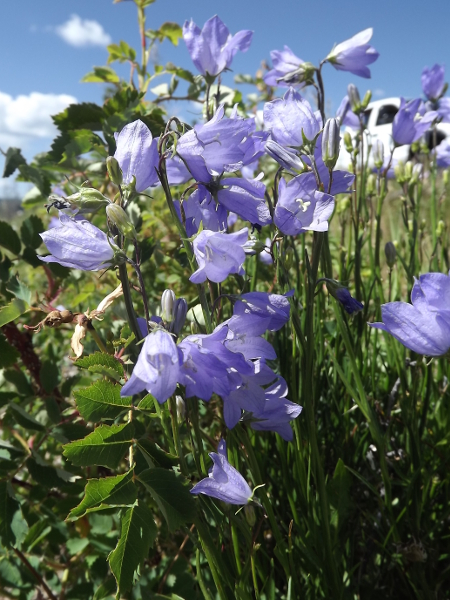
19 289
101 75
13 159
86 115
102 363
30 230
137 534
8 506
172 497
101 400
8 355
105 446
9 238
103 493
180 72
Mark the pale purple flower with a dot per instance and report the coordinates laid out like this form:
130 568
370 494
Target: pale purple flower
433 81
276 412
212 49
408 125
424 325
443 154
301 207
218 255
286 157
345 114
177 172
246 198
79 245
265 256
244 337
284 63
137 155
201 207
291 119
222 145
224 482
157 369
443 109
274 307
354 54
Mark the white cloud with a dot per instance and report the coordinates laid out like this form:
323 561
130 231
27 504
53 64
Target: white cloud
83 32
25 118
378 93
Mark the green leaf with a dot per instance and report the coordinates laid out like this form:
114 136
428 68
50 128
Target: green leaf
49 375
8 355
180 72
101 75
137 534
102 363
33 198
86 115
101 400
19 289
338 490
12 310
47 475
105 446
36 176
13 159
153 452
168 30
24 419
71 144
172 497
103 493
30 230
9 238
8 506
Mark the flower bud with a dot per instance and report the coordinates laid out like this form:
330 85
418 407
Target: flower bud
440 229
114 170
181 408
254 246
410 225
445 177
378 153
180 309
343 205
348 142
399 172
167 303
408 170
423 225
119 218
354 98
286 157
371 184
330 143
391 254
342 294
367 98
303 74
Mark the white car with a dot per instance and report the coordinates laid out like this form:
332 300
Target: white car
379 117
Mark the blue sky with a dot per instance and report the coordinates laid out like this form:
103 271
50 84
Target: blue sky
42 64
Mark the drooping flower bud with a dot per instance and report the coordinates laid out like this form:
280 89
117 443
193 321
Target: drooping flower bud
342 294
86 200
180 309
391 254
167 304
354 98
303 74
114 170
181 408
330 143
417 173
119 218
378 153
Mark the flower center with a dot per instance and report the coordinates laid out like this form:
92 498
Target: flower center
303 204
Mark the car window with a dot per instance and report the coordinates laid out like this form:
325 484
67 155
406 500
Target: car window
387 114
